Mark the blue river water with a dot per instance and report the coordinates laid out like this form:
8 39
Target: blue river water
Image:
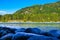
42 26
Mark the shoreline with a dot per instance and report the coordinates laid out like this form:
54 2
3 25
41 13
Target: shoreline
29 22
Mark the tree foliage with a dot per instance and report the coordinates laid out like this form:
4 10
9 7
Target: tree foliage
36 13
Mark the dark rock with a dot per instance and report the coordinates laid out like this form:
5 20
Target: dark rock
22 36
5 30
45 34
20 30
12 30
55 33
42 38
33 30
7 37
9 30
2 33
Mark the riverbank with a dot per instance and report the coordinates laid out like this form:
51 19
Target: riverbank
29 22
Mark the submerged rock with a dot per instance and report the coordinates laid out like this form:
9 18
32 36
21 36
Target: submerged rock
33 30
3 32
46 34
7 37
55 33
20 30
22 36
9 30
42 38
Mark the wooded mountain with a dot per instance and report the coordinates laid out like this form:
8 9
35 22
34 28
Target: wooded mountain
36 13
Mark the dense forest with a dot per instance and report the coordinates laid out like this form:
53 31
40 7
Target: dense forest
36 13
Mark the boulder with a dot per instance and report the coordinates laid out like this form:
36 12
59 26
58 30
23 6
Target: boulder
55 33
2 33
42 38
45 34
33 30
20 30
22 36
7 37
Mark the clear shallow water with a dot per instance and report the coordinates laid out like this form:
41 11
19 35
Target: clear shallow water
42 26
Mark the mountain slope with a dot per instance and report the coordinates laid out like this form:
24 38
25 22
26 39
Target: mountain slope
41 13
36 13
53 7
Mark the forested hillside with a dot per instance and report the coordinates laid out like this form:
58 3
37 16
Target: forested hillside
36 13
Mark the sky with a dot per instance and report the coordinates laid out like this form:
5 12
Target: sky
10 6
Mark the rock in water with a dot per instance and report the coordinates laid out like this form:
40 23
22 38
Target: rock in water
8 30
3 32
46 34
55 33
7 37
33 30
42 38
20 30
22 36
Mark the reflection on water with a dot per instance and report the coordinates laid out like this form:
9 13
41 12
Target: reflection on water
43 26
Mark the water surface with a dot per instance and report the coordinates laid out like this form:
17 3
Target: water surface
42 26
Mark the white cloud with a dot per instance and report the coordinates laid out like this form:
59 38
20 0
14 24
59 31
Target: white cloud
5 12
2 12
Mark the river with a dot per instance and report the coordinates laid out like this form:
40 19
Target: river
42 26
